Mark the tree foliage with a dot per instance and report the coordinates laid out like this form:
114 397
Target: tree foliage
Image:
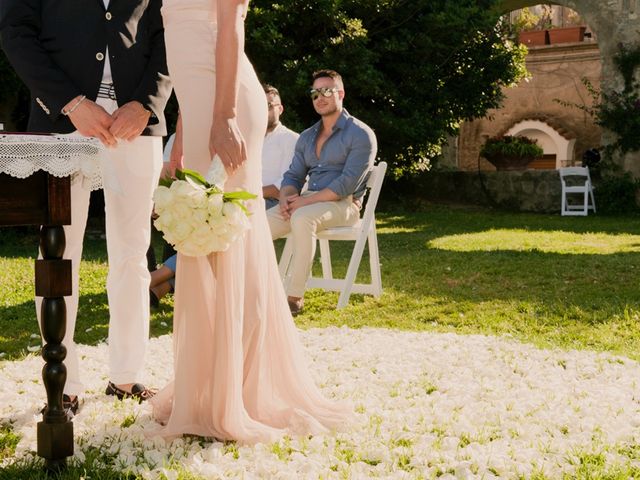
413 69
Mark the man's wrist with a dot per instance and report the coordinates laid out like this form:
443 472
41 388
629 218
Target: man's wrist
145 109
72 105
288 190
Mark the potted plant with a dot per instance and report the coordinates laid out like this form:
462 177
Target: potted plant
511 153
531 28
534 37
570 34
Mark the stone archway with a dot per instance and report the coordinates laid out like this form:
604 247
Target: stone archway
552 140
615 22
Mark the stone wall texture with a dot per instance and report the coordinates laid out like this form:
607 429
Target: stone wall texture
615 22
556 74
525 191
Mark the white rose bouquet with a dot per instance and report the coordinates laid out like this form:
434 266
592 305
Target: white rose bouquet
194 213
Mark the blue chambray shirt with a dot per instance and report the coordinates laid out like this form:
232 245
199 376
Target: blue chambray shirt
345 160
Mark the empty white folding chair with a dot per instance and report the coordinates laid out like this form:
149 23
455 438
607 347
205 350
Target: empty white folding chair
576 183
362 232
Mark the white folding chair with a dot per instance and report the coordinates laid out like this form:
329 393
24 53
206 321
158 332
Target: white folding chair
362 232
576 180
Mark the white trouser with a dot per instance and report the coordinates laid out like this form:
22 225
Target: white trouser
136 165
302 228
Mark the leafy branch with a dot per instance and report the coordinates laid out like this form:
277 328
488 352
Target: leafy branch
617 111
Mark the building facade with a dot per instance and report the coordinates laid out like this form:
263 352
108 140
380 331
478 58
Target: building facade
544 107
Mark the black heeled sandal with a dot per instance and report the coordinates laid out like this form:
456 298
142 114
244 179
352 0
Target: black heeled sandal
138 392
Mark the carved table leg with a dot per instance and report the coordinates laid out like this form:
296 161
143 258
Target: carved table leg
53 282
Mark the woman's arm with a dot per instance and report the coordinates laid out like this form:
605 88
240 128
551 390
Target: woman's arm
226 139
177 149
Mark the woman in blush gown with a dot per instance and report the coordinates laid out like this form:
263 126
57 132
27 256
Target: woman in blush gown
240 370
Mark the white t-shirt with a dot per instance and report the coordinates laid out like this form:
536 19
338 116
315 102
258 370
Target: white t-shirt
166 154
106 75
277 153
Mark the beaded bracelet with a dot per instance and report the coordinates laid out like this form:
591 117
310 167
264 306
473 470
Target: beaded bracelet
75 105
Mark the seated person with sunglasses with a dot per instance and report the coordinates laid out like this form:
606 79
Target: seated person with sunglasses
337 154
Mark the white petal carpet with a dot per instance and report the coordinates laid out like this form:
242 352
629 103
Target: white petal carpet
426 406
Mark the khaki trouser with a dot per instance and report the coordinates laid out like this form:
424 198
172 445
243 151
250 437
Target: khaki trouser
302 227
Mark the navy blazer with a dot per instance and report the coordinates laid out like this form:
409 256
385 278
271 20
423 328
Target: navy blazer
57 47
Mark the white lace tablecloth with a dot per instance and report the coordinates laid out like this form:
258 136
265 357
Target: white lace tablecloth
58 155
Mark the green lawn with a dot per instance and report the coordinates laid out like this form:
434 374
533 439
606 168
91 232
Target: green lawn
551 280
570 282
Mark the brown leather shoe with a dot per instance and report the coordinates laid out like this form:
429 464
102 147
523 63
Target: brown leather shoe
296 306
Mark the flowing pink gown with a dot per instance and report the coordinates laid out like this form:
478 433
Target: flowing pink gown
240 370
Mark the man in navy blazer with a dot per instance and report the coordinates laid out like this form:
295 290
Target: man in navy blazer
97 68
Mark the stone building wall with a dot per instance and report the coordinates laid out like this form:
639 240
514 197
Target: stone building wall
556 73
525 191
614 22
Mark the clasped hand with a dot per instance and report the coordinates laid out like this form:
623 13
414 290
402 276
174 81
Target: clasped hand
290 203
127 122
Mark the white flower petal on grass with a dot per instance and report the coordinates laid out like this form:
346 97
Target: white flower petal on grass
426 404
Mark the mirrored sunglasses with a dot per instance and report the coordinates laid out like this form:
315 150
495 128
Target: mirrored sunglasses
324 91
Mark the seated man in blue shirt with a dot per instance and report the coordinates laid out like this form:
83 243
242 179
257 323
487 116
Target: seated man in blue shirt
336 154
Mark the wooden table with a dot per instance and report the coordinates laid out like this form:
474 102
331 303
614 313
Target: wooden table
42 199
35 189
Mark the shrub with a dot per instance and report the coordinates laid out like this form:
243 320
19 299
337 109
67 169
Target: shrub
508 146
616 194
